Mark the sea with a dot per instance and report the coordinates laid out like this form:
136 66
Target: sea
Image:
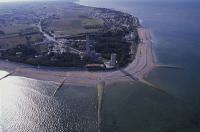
29 105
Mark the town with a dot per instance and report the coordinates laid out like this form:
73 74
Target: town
79 36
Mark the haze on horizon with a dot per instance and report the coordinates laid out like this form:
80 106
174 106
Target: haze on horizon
91 0
31 0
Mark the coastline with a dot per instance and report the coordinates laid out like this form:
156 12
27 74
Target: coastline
143 63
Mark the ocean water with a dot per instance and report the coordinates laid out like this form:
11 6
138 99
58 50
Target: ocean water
176 31
28 105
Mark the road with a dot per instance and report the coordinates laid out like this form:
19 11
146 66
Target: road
143 63
50 38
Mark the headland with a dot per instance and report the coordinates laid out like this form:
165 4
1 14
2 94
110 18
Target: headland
111 40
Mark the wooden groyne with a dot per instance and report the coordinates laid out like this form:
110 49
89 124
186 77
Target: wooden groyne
132 77
129 75
59 87
9 74
100 93
169 66
154 87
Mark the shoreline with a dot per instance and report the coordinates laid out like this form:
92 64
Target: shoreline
139 68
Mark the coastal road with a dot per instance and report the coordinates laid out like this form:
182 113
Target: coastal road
143 63
50 38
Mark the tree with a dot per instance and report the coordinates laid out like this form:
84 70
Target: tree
2 32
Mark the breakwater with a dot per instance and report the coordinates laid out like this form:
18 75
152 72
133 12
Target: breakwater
100 93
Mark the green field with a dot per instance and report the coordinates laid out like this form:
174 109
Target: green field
74 23
92 22
12 42
14 28
71 20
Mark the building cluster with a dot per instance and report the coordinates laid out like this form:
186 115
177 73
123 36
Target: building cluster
84 46
80 44
115 20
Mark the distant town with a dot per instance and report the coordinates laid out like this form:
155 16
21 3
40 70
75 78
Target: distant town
68 35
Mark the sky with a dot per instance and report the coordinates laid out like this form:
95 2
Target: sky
97 0
13 0
23 0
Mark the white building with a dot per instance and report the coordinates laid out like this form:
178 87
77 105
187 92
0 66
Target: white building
113 60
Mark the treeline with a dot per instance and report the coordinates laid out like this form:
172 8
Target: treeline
2 32
29 55
109 43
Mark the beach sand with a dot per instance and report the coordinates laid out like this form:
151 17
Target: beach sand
143 63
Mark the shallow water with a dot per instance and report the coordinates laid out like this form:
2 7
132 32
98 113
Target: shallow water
176 34
29 105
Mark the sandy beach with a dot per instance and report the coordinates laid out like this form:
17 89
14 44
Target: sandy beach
143 63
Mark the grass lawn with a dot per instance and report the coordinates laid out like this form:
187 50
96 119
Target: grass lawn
92 22
19 40
73 23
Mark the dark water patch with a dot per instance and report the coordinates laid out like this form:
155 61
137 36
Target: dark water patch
78 108
135 108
